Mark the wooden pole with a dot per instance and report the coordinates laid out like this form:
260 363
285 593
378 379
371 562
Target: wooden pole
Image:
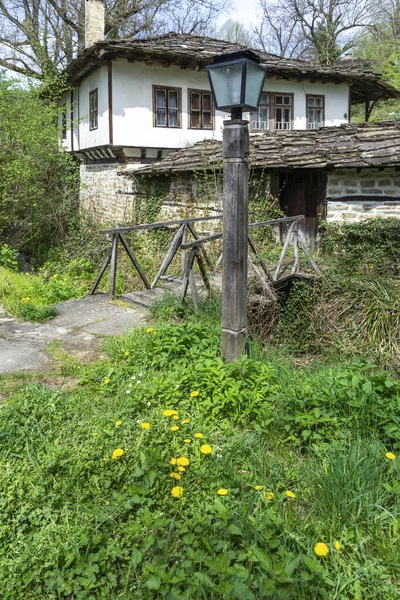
234 241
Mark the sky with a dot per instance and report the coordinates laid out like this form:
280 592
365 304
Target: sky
245 12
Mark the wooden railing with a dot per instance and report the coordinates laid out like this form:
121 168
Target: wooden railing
195 252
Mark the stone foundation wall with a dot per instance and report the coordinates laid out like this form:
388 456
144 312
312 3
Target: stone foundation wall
105 196
353 196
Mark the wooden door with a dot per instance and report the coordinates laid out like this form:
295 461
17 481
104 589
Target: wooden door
303 192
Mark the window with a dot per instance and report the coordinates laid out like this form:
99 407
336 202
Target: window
275 112
64 121
93 109
283 111
260 119
201 110
315 111
167 103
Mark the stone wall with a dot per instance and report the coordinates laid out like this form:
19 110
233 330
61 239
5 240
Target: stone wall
355 196
105 196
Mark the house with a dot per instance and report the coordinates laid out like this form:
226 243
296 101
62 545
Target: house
134 102
345 173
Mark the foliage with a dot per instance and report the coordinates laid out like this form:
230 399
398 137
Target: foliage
298 454
38 180
365 248
8 257
31 296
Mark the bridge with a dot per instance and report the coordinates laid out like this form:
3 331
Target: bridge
193 250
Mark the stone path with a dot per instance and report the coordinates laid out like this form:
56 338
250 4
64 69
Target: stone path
80 325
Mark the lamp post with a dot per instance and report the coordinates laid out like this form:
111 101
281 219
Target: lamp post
236 83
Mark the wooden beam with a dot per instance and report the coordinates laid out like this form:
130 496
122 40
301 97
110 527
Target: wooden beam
134 261
172 250
114 259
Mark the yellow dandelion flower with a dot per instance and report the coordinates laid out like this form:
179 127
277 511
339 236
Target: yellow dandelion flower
177 491
390 455
175 475
116 455
222 492
175 418
105 458
107 380
290 494
321 549
145 425
198 436
205 449
258 487
149 329
100 447
172 461
169 413
183 461
181 469
269 495
185 421
187 440
126 353
95 434
337 545
118 423
174 428
194 394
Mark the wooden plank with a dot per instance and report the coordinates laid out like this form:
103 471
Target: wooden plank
172 250
267 289
160 224
203 250
134 261
203 271
188 268
296 248
260 260
310 258
114 259
101 273
199 242
219 261
194 291
283 253
275 221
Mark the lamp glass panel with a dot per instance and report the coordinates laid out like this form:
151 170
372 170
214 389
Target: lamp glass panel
227 84
254 82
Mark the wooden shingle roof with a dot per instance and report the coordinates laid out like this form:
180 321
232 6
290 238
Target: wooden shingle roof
195 52
350 145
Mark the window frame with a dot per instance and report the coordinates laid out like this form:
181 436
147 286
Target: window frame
179 111
269 105
272 111
322 96
94 111
201 110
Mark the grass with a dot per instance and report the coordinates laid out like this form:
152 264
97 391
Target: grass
76 523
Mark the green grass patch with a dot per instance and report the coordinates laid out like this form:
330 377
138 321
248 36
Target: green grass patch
287 458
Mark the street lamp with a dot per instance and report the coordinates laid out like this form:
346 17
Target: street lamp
236 82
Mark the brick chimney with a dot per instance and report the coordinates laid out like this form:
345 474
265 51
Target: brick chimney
94 22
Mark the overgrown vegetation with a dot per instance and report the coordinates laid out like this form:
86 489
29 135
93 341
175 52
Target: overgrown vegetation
260 480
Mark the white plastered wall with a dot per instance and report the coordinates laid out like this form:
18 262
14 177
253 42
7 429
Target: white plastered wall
336 99
133 106
100 136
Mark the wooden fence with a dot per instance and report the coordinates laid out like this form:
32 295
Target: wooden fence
194 251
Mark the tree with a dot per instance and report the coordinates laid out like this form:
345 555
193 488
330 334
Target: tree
235 32
40 37
38 180
319 30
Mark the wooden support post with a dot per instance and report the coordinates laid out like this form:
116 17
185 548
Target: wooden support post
203 272
134 261
235 235
284 250
203 250
172 250
260 260
310 258
188 269
296 248
183 253
268 289
101 273
114 259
